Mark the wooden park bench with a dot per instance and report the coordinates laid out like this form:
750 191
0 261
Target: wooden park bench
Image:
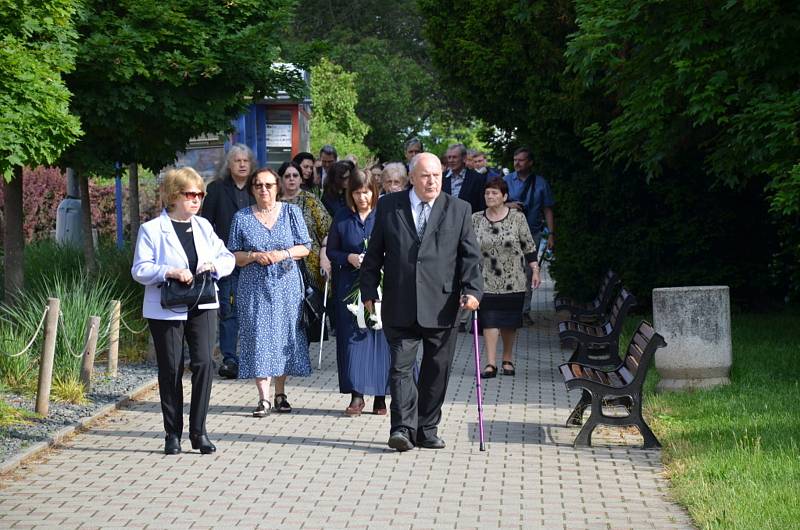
624 381
597 344
596 310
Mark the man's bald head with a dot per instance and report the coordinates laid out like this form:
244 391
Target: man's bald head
426 176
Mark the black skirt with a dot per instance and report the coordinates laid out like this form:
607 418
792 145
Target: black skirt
502 311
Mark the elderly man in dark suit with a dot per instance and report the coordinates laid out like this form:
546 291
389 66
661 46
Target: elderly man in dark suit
461 181
423 240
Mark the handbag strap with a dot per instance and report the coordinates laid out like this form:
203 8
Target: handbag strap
199 296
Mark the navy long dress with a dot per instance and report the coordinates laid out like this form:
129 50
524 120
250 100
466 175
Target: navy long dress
362 355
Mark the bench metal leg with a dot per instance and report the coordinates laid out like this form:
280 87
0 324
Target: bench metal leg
584 438
650 440
576 416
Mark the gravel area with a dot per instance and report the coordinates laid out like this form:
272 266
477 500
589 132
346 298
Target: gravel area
105 390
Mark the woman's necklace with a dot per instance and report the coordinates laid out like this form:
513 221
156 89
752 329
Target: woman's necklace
268 210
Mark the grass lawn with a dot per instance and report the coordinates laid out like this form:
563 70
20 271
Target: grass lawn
732 453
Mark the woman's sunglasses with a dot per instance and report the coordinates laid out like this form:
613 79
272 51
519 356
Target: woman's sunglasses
194 194
264 185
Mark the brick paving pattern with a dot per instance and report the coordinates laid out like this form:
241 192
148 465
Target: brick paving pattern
316 468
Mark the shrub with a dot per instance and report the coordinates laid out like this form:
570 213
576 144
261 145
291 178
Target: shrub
45 187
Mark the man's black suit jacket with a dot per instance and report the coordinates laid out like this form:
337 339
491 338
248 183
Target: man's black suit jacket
220 206
423 280
471 189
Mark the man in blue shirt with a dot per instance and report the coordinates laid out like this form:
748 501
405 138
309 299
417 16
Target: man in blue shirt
532 195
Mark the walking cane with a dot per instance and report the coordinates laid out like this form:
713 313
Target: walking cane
322 326
478 375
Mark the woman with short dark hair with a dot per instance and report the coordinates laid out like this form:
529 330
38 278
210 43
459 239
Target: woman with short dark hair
267 238
506 246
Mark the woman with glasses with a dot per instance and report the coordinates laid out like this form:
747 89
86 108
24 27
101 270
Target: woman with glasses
335 184
267 238
316 217
177 245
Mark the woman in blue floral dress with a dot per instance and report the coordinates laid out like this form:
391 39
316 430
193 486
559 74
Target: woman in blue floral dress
267 240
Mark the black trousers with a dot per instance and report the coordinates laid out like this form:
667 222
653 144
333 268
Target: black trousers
168 335
417 406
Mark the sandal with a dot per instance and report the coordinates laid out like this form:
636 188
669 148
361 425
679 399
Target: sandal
507 371
489 372
282 404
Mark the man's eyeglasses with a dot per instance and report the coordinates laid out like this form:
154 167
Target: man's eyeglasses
264 185
194 194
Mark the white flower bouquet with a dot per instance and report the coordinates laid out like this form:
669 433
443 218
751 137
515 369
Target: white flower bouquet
354 304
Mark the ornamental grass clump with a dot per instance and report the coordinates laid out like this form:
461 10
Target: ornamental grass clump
80 298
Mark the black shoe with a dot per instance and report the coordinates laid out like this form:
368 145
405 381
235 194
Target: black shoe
172 445
282 404
262 409
510 370
201 441
432 443
489 372
229 370
401 441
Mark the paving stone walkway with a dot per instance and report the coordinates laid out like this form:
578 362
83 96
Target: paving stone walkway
316 468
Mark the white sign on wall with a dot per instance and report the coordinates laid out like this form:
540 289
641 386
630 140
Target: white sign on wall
279 135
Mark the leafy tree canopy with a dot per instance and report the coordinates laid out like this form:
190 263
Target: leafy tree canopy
722 76
151 74
37 46
398 91
335 121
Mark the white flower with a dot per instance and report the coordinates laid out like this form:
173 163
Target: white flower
353 308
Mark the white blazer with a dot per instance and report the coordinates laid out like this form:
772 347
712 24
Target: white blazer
158 250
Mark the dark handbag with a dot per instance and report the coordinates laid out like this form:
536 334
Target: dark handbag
202 290
313 312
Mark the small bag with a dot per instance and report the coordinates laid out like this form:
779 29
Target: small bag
202 290
313 311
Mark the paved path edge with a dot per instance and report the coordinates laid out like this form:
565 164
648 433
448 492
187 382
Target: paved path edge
57 437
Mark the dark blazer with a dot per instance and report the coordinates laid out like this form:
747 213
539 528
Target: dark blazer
423 281
220 205
471 189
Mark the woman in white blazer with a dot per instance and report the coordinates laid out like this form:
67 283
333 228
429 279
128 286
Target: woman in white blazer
177 245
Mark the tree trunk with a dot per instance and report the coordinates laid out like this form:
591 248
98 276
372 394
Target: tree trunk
86 225
133 200
13 237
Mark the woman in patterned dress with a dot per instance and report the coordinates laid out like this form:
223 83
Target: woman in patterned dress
266 239
316 217
506 245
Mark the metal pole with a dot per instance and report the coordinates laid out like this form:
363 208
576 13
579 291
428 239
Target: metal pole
478 376
113 339
322 330
118 202
87 363
48 354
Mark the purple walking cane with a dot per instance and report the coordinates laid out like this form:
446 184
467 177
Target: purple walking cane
478 375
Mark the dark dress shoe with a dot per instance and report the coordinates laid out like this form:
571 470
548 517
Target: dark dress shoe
201 441
432 443
401 441
229 370
172 445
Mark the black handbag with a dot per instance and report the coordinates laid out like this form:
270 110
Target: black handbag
313 312
202 290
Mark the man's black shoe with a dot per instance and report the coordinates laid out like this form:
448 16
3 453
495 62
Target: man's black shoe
229 370
432 443
401 441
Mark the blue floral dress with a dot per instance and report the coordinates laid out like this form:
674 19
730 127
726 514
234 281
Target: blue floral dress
270 297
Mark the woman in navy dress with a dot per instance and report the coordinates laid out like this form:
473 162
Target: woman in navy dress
362 355
267 239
